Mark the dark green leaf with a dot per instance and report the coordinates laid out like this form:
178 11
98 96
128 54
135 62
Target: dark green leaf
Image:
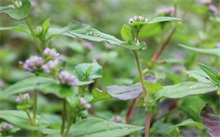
20 119
17 14
99 95
162 19
185 89
125 92
88 71
126 33
210 51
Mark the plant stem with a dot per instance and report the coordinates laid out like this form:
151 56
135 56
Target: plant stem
29 116
35 107
131 110
63 118
34 36
147 124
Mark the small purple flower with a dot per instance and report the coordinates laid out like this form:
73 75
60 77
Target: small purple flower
33 63
137 19
22 98
84 103
50 66
67 79
5 127
51 53
213 9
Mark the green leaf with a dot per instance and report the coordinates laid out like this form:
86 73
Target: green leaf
141 46
211 73
101 128
210 51
190 122
153 87
126 34
125 92
150 30
185 89
45 85
199 75
94 35
20 119
20 28
17 14
99 95
88 71
162 19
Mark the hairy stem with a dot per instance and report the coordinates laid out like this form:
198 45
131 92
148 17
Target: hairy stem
63 119
35 107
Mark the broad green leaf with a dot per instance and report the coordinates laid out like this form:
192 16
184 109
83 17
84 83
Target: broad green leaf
20 119
199 75
20 28
153 87
125 92
210 120
101 128
185 89
150 30
99 95
45 85
211 73
210 51
162 19
17 14
94 35
126 34
88 71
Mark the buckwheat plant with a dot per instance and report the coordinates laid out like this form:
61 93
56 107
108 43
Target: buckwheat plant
72 86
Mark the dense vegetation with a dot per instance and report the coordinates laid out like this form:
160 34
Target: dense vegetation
94 68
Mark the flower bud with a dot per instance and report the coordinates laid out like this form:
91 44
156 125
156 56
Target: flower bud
51 53
84 103
137 19
5 128
50 66
67 79
33 63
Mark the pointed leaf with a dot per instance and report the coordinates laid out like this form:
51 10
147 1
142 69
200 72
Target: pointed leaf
199 75
162 19
101 128
126 33
211 121
99 95
20 119
210 51
20 28
125 92
17 14
185 89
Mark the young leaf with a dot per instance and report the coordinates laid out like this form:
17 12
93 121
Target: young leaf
126 33
20 119
210 51
211 73
162 19
17 13
185 89
153 87
88 71
99 95
211 121
101 128
125 92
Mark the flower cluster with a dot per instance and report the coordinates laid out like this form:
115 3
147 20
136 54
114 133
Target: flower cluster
50 66
84 103
22 98
51 53
67 79
5 128
137 19
33 63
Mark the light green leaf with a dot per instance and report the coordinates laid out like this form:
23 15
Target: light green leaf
125 92
209 51
101 128
20 119
17 14
199 75
142 46
20 28
88 71
153 87
99 95
94 35
126 33
185 89
162 19
211 73
190 122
